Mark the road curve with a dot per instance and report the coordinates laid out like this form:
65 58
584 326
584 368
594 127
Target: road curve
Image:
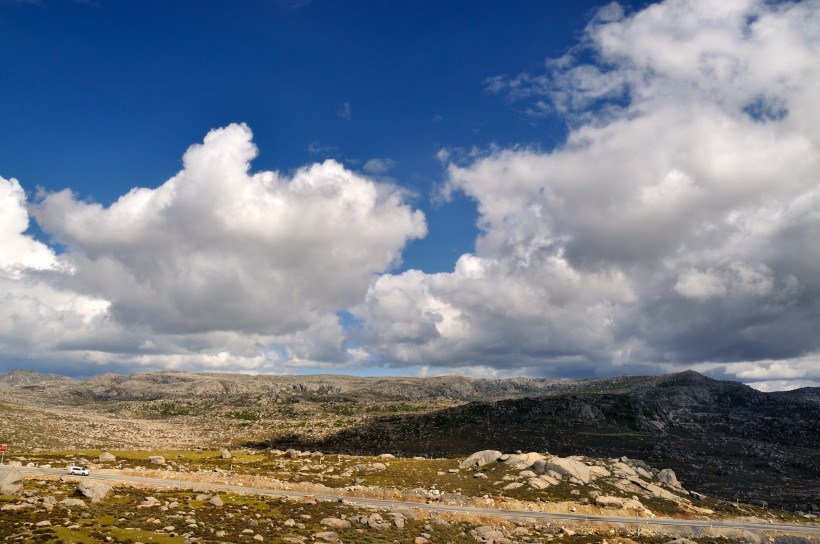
178 483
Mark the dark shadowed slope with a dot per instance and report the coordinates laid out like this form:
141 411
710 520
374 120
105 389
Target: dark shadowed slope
722 438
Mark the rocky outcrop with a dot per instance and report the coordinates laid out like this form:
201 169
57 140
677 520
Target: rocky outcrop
722 438
541 471
568 467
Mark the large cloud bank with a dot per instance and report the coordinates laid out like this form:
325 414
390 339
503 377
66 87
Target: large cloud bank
216 268
677 227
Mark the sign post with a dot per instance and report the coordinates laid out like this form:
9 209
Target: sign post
3 449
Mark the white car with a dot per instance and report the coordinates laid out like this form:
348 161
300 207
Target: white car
79 471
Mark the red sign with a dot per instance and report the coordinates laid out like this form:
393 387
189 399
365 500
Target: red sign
4 448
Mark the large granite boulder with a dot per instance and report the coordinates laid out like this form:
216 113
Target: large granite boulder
480 458
96 491
11 480
520 461
565 467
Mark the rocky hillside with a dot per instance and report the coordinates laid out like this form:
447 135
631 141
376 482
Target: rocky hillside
722 438
173 384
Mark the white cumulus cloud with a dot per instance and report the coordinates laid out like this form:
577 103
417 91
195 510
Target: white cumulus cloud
677 224
217 268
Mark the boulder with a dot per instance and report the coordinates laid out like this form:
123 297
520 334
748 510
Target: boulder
73 502
106 457
566 467
375 521
96 491
605 501
216 501
667 476
480 458
335 523
11 480
156 459
224 453
521 461
149 502
370 467
538 483
484 533
327 536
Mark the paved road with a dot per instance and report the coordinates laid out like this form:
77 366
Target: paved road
779 527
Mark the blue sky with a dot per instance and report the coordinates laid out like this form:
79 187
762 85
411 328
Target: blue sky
104 96
560 189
